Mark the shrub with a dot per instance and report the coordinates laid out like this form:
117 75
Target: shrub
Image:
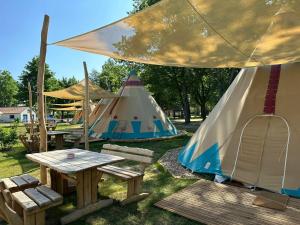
8 137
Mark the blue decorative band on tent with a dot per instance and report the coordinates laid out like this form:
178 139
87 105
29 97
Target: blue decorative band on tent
291 192
208 162
137 133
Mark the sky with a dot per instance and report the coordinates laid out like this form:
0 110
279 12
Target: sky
21 23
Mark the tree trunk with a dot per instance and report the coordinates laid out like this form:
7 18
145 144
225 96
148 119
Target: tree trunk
186 108
203 111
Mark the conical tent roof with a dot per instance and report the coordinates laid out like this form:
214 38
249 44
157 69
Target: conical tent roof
201 33
252 135
135 115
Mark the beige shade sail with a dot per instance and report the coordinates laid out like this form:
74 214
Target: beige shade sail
72 104
76 92
201 33
67 109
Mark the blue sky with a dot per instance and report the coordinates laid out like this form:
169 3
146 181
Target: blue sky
20 27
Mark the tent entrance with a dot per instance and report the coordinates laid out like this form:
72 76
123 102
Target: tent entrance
262 153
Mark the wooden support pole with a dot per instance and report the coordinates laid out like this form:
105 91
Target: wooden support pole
30 110
86 108
40 98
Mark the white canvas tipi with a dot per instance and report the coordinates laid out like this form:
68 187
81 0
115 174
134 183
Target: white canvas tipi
134 115
252 135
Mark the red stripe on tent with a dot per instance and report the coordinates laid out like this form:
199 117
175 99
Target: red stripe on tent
270 99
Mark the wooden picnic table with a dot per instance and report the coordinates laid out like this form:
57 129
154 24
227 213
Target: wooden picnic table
82 169
59 138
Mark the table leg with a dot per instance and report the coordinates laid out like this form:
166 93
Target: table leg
87 177
80 190
57 182
95 180
43 174
59 139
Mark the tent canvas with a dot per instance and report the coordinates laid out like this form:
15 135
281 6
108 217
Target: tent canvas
79 115
201 33
72 104
252 134
76 92
135 115
66 109
98 110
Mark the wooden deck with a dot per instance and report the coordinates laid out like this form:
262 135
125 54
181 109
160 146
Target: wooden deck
211 203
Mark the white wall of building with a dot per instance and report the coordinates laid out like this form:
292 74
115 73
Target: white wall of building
24 117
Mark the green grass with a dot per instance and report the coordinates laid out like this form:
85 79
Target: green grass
157 181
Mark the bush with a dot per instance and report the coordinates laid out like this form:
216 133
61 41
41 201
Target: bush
8 137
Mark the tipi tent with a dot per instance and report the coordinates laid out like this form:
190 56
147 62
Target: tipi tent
135 115
78 117
252 135
98 110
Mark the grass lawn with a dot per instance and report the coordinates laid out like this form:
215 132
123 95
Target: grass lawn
157 181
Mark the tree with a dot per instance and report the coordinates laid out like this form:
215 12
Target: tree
112 75
29 74
67 82
8 89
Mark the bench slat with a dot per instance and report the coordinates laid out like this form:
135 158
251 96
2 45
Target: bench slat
137 151
37 197
122 176
29 179
8 184
54 196
24 201
138 158
123 171
19 181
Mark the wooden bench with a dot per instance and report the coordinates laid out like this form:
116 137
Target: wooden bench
28 206
133 178
74 139
19 183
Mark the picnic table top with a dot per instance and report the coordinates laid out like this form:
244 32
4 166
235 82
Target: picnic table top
56 132
84 159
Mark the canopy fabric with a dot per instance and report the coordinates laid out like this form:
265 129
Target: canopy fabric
78 103
76 92
201 33
67 109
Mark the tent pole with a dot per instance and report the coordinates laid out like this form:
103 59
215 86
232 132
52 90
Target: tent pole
46 114
86 108
30 110
40 99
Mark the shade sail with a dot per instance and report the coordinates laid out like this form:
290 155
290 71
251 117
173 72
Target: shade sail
201 33
67 109
78 103
76 92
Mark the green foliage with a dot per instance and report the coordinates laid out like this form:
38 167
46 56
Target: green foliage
111 76
8 137
29 74
8 89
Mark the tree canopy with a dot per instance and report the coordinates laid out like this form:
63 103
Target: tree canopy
29 74
8 89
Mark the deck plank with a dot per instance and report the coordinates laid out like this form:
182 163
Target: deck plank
211 203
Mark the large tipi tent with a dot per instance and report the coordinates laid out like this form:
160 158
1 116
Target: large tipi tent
252 135
135 115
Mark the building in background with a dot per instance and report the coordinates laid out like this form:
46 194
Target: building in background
11 114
